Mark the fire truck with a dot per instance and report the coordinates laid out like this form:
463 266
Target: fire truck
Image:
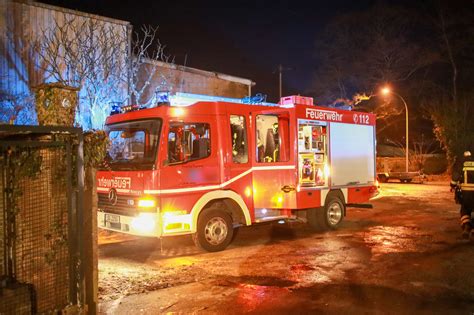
210 167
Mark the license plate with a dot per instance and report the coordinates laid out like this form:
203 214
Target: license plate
112 218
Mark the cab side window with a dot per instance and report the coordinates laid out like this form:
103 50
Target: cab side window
238 132
188 142
272 143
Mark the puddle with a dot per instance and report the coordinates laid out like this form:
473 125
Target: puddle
254 281
396 239
300 268
250 297
254 291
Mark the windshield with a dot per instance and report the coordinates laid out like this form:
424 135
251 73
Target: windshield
133 144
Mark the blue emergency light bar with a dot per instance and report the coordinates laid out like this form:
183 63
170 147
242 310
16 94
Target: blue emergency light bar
117 109
163 98
186 99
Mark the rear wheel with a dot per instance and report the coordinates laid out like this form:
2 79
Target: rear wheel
214 231
328 217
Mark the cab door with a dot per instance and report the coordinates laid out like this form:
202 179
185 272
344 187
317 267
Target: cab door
274 170
238 160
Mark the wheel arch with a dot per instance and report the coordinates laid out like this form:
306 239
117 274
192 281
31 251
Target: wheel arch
340 193
233 202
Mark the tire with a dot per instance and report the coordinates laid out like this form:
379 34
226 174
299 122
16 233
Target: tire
328 217
235 233
214 231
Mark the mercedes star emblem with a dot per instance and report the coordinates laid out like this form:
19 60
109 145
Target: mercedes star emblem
113 196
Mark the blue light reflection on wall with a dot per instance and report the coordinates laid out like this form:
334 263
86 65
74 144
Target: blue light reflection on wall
17 99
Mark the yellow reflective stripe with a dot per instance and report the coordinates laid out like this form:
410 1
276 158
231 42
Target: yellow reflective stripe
469 163
467 187
465 221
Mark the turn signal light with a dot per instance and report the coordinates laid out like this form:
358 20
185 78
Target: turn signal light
146 203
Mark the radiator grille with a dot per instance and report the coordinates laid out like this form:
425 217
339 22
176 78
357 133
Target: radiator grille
122 207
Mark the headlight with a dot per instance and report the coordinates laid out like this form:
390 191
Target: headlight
144 223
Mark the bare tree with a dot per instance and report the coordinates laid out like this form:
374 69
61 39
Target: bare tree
16 107
18 74
98 58
450 127
419 153
146 49
359 52
450 98
88 54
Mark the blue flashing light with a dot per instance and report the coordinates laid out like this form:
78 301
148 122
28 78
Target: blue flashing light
116 109
259 98
162 98
131 108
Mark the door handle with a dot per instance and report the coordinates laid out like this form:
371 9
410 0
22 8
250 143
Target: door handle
287 188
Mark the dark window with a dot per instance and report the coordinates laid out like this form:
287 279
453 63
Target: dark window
188 142
271 140
238 133
133 144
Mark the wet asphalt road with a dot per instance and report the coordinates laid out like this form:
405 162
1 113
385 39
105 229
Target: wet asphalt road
404 256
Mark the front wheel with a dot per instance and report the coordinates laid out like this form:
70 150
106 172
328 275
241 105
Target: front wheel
328 217
214 231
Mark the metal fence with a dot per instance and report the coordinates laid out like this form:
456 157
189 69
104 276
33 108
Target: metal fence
41 200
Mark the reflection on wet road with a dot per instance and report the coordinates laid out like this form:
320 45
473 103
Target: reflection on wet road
403 256
396 239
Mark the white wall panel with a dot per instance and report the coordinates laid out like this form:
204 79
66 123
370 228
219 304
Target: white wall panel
352 154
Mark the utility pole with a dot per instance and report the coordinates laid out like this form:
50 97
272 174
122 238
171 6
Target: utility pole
386 91
280 70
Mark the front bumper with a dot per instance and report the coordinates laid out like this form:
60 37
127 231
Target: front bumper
145 224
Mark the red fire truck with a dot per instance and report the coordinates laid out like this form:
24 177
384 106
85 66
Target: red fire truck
213 166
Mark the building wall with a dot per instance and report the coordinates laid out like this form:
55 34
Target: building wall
432 164
24 22
175 78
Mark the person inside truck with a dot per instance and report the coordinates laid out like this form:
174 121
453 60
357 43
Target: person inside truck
238 141
260 148
272 144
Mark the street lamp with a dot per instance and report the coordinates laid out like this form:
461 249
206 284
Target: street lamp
387 91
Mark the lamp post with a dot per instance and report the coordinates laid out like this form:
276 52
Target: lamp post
386 91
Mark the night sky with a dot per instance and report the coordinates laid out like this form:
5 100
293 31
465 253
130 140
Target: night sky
242 38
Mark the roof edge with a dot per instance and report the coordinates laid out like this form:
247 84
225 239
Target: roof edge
206 73
71 11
